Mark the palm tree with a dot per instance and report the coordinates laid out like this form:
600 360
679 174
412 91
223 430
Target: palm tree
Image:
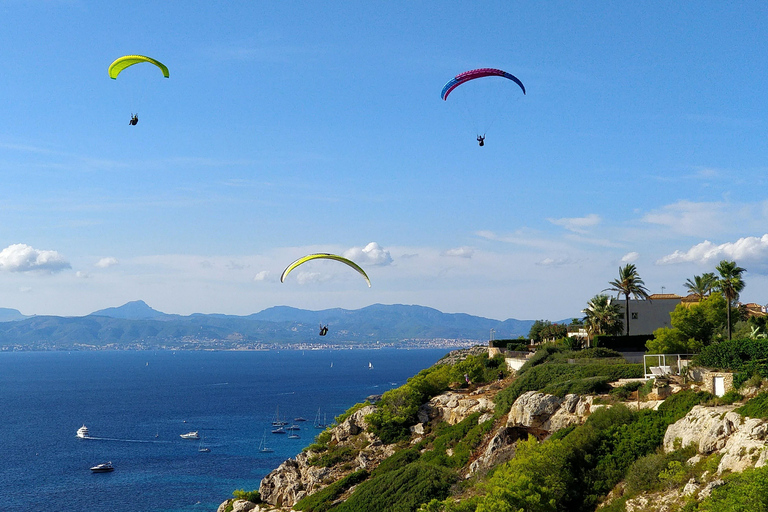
701 286
628 283
730 283
602 316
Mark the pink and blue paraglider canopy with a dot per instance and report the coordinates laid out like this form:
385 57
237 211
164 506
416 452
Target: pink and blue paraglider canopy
477 73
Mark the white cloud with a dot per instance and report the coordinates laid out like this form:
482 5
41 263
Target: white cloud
460 252
577 224
261 276
744 250
82 275
23 258
630 257
371 254
107 262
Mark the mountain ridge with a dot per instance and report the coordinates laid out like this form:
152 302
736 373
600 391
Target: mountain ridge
136 325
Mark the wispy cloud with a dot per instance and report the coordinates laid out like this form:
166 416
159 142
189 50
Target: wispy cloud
577 224
261 276
689 218
630 257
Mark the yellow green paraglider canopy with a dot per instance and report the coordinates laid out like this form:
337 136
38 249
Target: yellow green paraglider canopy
129 60
325 256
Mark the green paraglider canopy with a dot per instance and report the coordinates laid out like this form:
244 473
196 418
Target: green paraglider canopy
310 257
129 60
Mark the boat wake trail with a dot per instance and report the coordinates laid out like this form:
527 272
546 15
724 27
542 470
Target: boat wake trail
127 440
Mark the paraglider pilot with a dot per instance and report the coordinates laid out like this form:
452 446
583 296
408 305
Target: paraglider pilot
134 120
481 140
323 330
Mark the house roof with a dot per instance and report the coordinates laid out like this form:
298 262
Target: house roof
657 296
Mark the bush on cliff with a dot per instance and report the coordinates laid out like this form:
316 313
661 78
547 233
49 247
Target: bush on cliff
397 409
322 500
756 407
560 379
402 489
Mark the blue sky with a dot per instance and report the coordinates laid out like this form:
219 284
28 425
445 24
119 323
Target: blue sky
294 127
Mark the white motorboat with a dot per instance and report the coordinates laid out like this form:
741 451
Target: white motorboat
103 468
191 435
83 433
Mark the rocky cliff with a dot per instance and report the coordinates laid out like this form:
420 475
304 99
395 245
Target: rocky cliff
738 442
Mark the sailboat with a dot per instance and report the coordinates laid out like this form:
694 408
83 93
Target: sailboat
318 423
370 365
263 446
277 422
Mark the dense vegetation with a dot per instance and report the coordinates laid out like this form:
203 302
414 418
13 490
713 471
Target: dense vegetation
588 372
397 409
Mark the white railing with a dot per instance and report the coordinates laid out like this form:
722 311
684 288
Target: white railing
664 365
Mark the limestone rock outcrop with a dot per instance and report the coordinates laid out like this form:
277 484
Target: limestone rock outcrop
453 407
500 449
741 441
542 414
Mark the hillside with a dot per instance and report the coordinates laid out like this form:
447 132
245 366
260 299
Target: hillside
555 437
136 325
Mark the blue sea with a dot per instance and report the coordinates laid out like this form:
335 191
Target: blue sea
137 404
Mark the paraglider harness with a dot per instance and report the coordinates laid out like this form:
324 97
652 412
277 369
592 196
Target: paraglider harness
134 119
323 330
481 140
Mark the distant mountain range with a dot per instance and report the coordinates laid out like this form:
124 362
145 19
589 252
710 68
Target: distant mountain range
136 325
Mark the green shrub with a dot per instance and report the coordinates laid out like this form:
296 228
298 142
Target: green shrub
743 491
252 496
332 456
403 489
756 407
398 460
322 500
742 355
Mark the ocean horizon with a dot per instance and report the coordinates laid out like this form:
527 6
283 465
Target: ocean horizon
137 404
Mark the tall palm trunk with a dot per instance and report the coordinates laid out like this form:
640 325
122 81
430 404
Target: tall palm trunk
626 310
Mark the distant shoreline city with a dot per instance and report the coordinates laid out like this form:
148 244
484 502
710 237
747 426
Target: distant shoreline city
225 345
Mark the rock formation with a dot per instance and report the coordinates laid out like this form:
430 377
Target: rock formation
741 441
297 477
542 414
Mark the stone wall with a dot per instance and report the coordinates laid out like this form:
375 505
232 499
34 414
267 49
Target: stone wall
708 380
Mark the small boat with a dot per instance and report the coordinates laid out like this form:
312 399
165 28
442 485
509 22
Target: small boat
103 468
263 446
191 435
293 435
293 427
83 433
370 365
299 419
203 449
278 430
